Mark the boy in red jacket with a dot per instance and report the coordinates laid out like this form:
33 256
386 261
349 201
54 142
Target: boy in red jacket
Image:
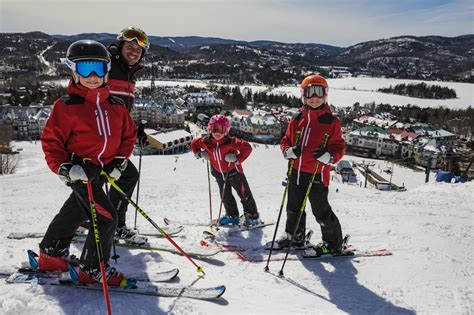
312 123
226 155
85 123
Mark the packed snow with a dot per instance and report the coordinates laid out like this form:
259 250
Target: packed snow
428 228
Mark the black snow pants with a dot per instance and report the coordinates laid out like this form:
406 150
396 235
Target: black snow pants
75 211
318 197
237 181
127 182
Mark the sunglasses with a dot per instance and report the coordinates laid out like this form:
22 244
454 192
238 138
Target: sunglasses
132 34
314 90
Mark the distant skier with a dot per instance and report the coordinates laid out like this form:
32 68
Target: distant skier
226 155
86 123
312 122
126 56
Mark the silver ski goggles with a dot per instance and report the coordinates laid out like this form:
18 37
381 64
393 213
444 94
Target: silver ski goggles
314 91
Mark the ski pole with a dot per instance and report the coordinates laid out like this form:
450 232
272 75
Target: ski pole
288 174
145 215
100 254
209 186
222 194
303 205
141 127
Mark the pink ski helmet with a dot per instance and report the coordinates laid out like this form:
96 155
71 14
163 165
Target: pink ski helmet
218 123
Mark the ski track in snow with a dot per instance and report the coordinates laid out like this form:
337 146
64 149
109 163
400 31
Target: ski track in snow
429 229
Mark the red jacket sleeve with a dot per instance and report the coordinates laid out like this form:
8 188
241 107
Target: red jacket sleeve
243 149
55 135
336 145
129 135
287 140
196 144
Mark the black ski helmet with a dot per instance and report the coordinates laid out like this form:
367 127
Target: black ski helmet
87 50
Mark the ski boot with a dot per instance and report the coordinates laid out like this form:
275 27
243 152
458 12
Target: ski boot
324 249
252 219
300 241
130 236
93 276
229 221
47 262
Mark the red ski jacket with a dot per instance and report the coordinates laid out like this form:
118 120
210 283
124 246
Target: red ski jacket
90 124
217 151
313 124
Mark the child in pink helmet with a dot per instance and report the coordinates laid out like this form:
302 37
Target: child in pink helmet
226 154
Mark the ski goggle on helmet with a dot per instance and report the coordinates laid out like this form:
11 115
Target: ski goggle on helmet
134 34
218 124
314 90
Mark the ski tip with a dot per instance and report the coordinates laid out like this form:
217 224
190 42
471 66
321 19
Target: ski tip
222 289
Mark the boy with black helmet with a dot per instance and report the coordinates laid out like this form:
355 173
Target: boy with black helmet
313 139
126 55
85 124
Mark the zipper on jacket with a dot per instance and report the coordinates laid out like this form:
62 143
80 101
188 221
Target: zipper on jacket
107 121
97 120
102 123
218 156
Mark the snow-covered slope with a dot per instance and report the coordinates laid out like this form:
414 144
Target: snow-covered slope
429 229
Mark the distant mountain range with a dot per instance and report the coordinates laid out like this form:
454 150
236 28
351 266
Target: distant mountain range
269 62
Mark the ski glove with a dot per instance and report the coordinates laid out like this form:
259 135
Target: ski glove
69 173
292 153
230 157
119 166
201 154
322 155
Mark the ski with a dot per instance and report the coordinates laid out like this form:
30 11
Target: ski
309 253
198 253
142 288
163 276
224 231
169 229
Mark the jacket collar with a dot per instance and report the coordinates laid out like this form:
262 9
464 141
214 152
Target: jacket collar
89 95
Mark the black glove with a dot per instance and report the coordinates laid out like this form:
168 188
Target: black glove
116 167
69 172
322 155
292 153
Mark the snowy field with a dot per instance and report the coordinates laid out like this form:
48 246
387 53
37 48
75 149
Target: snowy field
429 229
346 91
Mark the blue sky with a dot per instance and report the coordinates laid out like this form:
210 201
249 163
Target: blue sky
337 22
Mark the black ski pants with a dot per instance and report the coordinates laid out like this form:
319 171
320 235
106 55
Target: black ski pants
318 198
75 211
237 181
127 182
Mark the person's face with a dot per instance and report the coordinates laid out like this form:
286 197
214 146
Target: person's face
218 135
315 102
91 82
131 52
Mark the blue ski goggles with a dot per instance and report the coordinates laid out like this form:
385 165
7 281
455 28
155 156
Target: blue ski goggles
85 68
